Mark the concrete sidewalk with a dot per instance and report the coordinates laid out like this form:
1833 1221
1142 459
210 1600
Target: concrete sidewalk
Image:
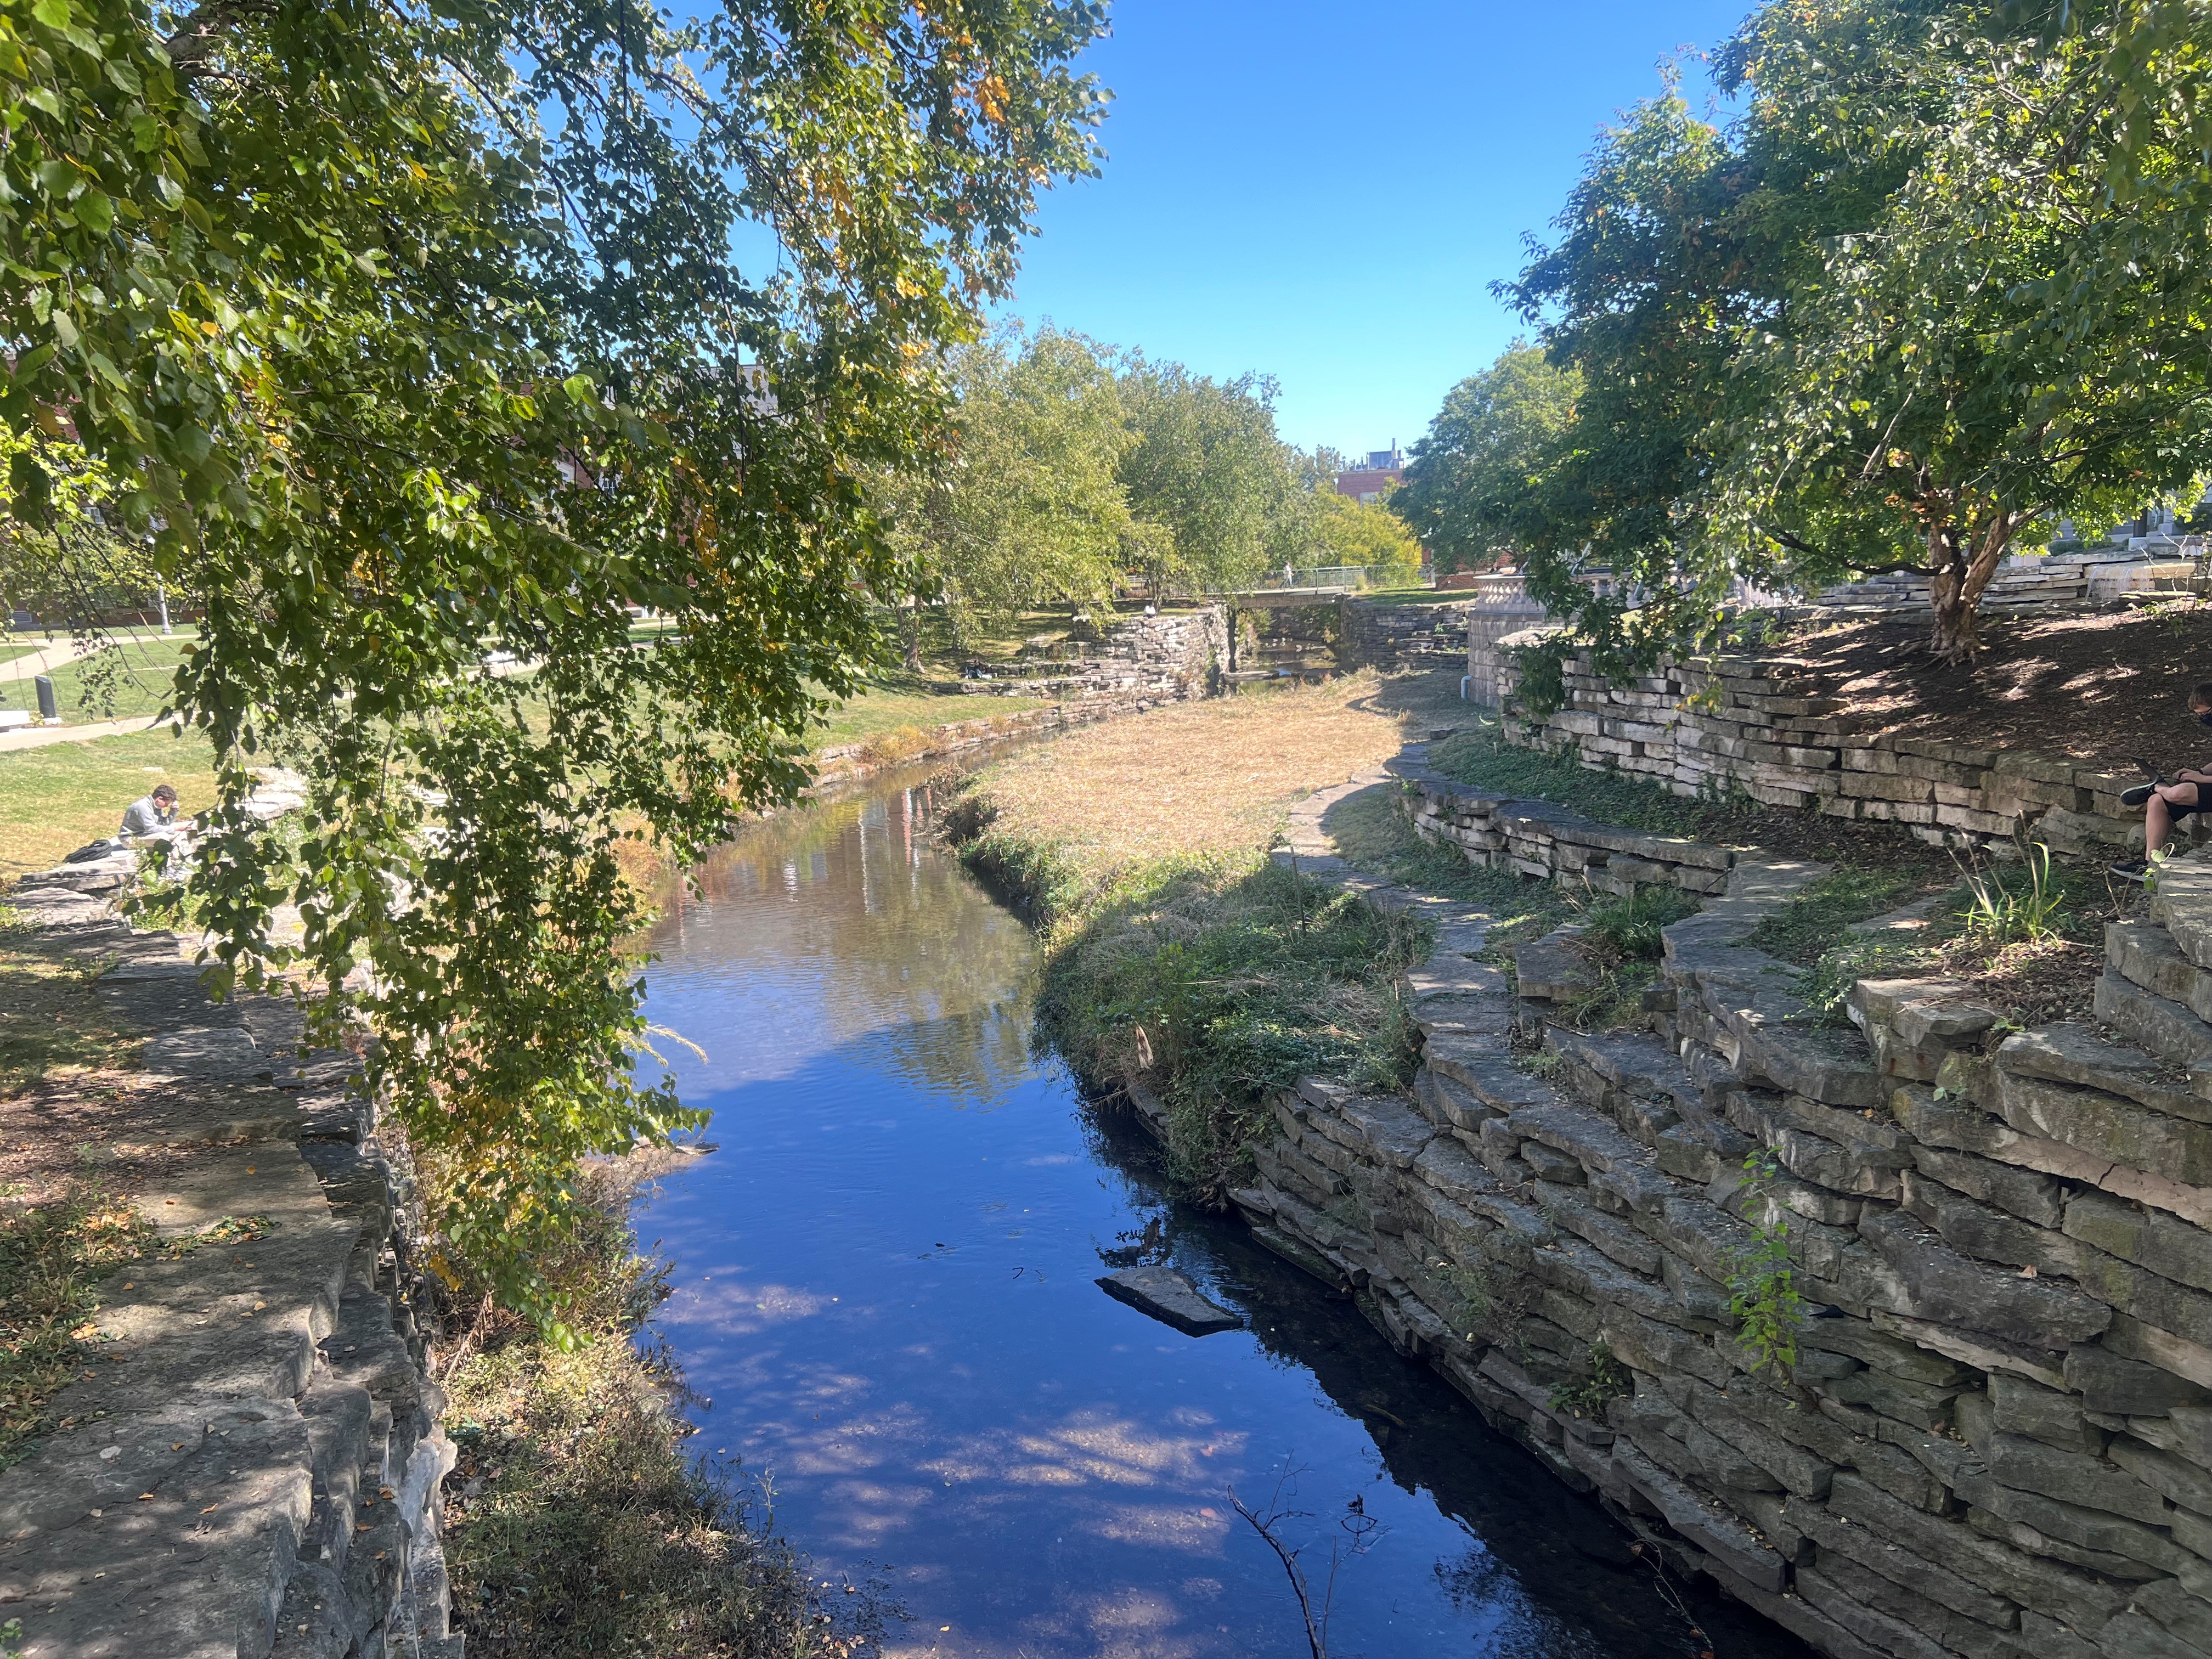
38 737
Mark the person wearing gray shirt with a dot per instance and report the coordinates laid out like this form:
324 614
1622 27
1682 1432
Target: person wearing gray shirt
149 815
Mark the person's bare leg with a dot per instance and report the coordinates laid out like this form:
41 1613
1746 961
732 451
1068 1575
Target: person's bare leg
2158 817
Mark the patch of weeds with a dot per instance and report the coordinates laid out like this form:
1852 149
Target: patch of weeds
1548 1064
1629 928
230 1229
1762 1283
2001 906
1809 924
1219 983
1622 941
52 1256
1826 985
1609 1380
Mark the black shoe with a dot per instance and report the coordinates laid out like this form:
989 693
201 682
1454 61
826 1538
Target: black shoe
2132 869
2140 793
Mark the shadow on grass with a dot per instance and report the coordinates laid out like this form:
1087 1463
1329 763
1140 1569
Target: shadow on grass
51 1023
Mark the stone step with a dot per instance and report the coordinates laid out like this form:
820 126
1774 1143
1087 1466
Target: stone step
2164 1027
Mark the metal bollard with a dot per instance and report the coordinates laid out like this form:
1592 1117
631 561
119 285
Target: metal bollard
46 710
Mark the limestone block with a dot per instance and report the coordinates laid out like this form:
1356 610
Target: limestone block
2165 1028
1946 1286
2046 1524
2180 1482
2135 1339
1820 1587
1721 1535
2073 1053
2183 903
1917 1403
2147 1237
2027 1193
2100 820
2053 1591
2106 1125
2128 1388
2053 1416
1990 1234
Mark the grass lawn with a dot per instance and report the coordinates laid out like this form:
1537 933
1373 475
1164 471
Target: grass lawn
55 798
131 679
1181 956
902 702
1194 779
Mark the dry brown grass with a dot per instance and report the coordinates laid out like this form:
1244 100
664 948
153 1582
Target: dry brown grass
1196 778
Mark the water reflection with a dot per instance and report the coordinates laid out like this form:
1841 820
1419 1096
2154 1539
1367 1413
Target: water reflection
884 1286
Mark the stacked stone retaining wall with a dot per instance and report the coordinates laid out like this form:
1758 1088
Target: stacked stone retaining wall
1370 636
1139 661
1985 1428
251 1462
1763 728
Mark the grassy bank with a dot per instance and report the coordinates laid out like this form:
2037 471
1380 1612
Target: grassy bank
1181 958
575 1524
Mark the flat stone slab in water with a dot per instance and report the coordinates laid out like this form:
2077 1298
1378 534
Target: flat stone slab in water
1168 1297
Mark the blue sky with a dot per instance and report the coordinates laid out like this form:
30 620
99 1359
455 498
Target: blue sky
1324 192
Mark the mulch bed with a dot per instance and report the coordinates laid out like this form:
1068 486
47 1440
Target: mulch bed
2102 689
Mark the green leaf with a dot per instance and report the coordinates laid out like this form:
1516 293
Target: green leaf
54 14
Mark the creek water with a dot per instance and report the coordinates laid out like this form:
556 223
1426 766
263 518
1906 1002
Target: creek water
884 1293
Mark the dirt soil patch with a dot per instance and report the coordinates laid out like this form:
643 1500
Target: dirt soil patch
2102 689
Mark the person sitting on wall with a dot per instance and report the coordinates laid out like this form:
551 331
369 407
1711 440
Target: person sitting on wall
149 816
2166 801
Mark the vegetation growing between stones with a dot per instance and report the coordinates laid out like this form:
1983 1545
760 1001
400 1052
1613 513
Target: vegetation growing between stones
575 1524
53 1257
1608 1379
1762 1282
1622 940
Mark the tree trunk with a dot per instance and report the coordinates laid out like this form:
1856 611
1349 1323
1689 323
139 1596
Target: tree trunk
910 629
1963 559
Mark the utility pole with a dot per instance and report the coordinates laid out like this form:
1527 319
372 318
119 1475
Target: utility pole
161 598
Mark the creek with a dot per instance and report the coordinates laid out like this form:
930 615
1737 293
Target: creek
884 1295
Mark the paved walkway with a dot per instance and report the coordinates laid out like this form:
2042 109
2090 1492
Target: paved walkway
39 661
38 737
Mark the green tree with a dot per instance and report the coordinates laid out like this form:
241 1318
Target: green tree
1367 533
1999 348
1028 509
1207 468
412 337
1468 484
1684 243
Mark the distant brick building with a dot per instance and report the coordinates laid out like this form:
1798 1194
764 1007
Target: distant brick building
1384 467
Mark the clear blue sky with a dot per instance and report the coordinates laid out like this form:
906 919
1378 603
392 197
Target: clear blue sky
1324 192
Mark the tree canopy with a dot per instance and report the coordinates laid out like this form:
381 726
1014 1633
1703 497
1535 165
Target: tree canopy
1026 508
1470 478
1207 468
1933 282
409 336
